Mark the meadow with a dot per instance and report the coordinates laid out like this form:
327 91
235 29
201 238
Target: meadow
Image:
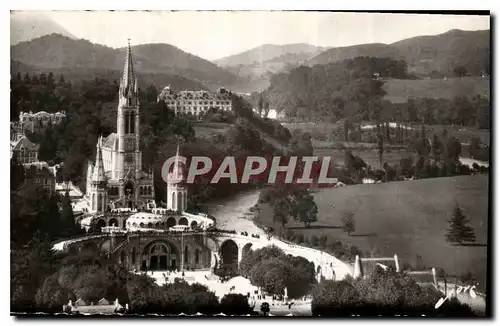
400 90
407 218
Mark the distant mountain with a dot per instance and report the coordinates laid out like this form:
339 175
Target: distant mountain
268 52
258 64
25 26
424 54
58 52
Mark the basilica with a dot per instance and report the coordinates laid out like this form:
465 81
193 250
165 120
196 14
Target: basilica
117 180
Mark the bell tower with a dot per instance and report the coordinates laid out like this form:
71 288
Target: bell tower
129 160
176 189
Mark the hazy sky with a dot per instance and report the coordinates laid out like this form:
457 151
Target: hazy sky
213 35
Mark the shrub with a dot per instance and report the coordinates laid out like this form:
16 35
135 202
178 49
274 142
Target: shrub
235 304
385 293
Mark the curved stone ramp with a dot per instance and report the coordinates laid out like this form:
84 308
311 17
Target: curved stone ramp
331 267
325 264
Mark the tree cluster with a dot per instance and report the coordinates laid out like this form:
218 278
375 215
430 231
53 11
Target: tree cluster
348 88
273 271
384 293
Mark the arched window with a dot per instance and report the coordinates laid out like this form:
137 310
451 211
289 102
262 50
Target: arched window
186 255
197 256
150 224
132 123
141 225
174 203
180 201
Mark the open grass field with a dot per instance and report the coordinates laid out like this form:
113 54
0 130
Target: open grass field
369 156
400 90
206 130
408 218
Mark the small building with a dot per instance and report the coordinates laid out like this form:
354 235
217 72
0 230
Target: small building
103 307
196 103
40 173
36 122
24 150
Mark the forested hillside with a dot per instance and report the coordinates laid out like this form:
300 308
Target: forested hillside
425 55
354 89
334 91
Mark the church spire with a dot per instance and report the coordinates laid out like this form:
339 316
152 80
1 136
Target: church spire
177 173
99 174
128 83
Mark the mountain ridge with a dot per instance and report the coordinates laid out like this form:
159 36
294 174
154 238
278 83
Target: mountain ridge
424 54
55 51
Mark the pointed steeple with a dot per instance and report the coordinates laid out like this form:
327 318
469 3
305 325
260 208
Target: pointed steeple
99 174
177 174
128 83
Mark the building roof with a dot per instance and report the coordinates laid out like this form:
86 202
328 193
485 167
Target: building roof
128 84
99 174
41 168
167 94
23 142
177 175
111 141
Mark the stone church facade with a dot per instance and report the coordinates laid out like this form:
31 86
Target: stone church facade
117 180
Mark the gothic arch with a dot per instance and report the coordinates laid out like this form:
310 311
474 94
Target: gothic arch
183 221
160 255
180 201
113 222
100 224
129 188
194 224
171 222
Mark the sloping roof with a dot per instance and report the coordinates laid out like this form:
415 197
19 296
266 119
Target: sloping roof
103 302
109 141
24 142
98 173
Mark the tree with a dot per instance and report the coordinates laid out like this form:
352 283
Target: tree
348 223
235 304
437 148
306 210
282 210
459 232
346 129
264 308
260 105
16 173
51 295
380 146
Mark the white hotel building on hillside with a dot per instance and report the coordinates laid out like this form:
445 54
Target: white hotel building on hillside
196 103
